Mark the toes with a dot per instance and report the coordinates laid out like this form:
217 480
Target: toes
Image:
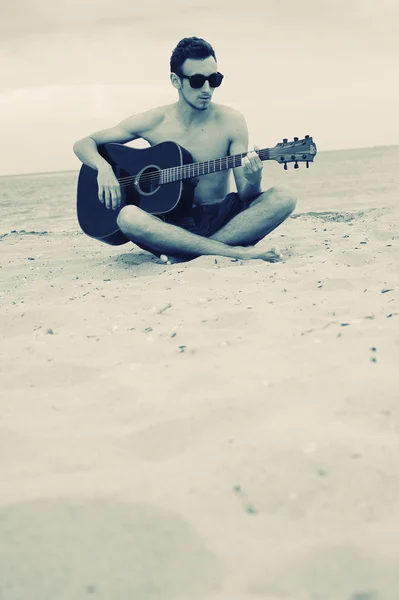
277 251
166 260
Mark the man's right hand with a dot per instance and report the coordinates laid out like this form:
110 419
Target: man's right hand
109 190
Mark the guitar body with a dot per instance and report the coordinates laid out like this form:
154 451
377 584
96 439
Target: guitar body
141 166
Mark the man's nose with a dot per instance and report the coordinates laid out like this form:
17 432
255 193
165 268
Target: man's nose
206 86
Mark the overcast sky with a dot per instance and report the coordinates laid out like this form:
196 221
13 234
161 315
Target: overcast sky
324 67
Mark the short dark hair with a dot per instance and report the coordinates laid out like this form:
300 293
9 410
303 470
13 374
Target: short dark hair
189 47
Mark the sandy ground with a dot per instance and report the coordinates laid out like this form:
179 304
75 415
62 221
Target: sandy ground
216 430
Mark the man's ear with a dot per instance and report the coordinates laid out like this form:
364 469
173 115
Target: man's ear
175 79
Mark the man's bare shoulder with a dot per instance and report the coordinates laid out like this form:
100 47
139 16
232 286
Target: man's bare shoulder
231 119
228 114
146 120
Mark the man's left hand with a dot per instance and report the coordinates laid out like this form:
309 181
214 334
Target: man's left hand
253 167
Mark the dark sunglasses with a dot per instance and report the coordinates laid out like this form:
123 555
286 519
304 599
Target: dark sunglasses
197 81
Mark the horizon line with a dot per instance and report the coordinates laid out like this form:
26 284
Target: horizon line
26 173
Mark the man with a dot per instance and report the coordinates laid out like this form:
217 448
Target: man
221 224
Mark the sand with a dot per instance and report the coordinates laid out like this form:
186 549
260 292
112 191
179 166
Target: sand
215 430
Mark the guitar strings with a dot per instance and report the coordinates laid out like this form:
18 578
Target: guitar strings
178 170
158 174
155 176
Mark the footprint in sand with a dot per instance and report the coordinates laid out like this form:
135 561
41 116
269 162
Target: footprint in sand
73 549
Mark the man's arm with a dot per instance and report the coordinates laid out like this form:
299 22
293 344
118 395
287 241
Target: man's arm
248 178
127 130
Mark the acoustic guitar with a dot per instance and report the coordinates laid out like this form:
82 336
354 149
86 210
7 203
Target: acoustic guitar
160 180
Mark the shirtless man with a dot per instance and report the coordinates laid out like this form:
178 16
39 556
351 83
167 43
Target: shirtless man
221 224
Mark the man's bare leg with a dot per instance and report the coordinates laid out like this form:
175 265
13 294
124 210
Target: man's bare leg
171 240
264 214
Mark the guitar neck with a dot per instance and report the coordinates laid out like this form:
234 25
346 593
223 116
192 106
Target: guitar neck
198 169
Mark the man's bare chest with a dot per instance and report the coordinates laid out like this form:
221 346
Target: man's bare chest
203 143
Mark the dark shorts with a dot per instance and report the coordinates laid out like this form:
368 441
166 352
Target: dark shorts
207 219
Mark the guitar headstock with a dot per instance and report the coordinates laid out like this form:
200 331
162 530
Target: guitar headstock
296 151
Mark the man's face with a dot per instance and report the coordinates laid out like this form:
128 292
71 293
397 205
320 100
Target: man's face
197 98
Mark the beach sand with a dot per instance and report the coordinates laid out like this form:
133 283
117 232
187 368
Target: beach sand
216 430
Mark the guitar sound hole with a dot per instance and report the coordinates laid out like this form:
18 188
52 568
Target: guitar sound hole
149 180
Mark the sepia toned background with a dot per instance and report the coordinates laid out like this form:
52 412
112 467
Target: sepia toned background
216 429
72 67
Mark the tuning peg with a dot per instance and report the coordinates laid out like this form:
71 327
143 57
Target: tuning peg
285 166
285 140
296 166
296 139
306 137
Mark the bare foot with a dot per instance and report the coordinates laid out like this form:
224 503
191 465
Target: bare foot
171 260
243 253
251 252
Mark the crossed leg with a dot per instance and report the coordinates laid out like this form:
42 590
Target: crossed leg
264 214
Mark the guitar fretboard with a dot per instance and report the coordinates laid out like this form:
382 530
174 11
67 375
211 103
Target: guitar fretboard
209 166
